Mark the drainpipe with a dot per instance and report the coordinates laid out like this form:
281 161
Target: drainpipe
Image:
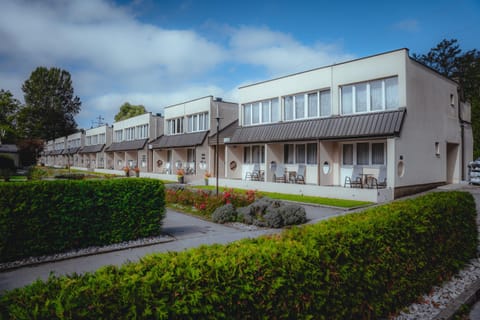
462 134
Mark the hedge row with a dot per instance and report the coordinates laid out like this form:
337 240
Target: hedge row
45 217
358 266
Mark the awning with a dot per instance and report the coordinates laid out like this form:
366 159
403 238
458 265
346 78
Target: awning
92 149
127 145
225 134
180 140
367 125
71 150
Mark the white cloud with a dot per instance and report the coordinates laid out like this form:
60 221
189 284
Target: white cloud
280 53
410 25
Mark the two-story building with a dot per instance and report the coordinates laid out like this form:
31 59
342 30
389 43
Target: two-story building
385 121
129 147
184 145
92 155
74 143
59 146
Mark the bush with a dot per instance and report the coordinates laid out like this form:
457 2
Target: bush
225 213
359 266
46 217
7 162
266 212
70 176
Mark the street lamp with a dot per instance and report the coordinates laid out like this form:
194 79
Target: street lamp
216 152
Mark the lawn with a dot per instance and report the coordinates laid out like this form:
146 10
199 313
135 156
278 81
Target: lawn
341 203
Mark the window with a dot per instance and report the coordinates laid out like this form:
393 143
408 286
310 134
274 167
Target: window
288 153
378 154
130 134
247 114
311 153
255 113
300 153
325 107
142 131
101 138
288 107
197 122
312 105
347 154
118 135
89 141
266 111
370 96
299 106
363 154
246 155
94 139
190 155
275 110
175 126
256 154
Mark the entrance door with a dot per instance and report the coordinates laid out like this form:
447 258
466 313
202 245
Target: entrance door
453 168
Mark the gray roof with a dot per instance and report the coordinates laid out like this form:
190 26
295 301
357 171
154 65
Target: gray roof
57 152
180 140
71 150
226 132
92 149
8 148
378 124
127 145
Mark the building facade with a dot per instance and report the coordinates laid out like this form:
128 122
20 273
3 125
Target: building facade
92 155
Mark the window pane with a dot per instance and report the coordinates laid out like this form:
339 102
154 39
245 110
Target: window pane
246 154
256 112
266 111
348 154
247 116
195 123
299 106
376 97
262 155
391 93
288 153
361 97
312 105
288 105
200 122
256 154
312 153
362 154
300 153
378 156
347 94
275 110
325 108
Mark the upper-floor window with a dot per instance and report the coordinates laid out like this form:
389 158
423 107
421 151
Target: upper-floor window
265 111
142 131
307 105
129 133
370 96
118 135
101 138
197 122
175 126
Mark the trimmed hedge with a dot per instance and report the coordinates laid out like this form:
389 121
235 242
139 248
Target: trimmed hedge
46 217
364 265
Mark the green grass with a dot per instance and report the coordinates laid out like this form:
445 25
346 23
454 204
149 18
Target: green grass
341 203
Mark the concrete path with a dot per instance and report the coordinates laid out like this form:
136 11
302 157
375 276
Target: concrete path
188 231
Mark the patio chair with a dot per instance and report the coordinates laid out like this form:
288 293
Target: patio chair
300 177
381 181
355 181
254 174
279 174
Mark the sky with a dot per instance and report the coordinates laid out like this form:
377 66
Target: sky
159 53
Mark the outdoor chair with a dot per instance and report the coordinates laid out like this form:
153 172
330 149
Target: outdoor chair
381 181
279 174
300 177
355 181
254 174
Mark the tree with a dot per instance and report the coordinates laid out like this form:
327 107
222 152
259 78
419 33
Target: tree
9 107
128 110
50 105
464 67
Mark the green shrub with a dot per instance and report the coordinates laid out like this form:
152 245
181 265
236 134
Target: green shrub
225 213
7 162
70 176
45 217
360 266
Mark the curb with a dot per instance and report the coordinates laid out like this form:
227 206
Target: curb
468 297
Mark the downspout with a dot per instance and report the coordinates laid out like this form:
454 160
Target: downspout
462 132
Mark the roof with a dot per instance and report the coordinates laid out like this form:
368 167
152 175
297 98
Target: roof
56 152
180 140
226 132
71 150
92 149
8 148
379 124
127 145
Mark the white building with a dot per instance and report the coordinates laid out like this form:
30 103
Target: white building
384 119
92 155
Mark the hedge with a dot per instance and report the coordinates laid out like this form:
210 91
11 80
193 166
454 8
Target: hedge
365 265
46 217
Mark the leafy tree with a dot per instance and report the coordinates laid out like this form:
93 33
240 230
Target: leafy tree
464 67
9 107
128 110
50 105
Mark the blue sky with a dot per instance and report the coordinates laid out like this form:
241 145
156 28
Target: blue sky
159 53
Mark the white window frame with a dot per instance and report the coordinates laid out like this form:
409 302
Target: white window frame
370 154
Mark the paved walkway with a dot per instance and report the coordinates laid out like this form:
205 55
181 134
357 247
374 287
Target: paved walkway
188 231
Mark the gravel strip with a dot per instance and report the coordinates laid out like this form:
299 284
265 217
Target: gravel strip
85 252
